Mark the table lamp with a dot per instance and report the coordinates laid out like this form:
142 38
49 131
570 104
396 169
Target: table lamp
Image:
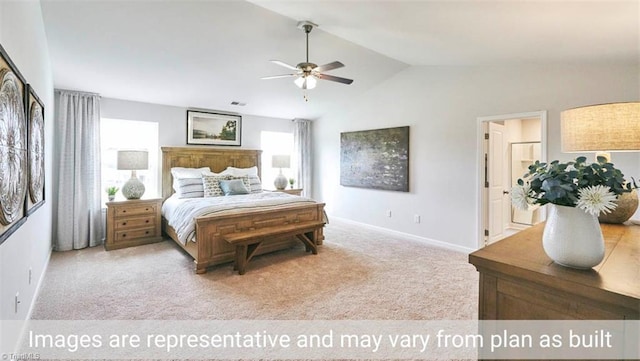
280 161
133 160
605 128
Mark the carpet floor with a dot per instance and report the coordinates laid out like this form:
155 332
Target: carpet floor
358 274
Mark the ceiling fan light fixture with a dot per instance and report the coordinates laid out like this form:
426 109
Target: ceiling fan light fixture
306 82
306 73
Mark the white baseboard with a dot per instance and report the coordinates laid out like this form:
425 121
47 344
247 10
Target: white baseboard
36 293
413 237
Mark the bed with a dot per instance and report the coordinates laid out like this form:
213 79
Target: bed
209 247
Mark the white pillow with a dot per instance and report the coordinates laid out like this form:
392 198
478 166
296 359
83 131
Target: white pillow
180 172
239 172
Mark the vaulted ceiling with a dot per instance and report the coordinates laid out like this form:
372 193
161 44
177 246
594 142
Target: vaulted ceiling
206 54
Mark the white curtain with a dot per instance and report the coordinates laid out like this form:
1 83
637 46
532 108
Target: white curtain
302 154
78 219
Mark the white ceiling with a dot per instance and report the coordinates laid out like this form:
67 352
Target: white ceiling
206 54
479 31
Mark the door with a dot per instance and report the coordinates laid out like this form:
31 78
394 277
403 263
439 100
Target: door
499 202
495 133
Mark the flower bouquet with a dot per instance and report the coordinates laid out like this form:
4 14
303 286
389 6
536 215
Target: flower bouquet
593 188
577 192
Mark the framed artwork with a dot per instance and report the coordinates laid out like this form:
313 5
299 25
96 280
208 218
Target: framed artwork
377 159
13 147
206 128
35 153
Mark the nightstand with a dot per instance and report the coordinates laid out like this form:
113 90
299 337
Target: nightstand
133 223
295 192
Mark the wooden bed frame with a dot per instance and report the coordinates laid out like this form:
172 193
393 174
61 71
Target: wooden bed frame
210 247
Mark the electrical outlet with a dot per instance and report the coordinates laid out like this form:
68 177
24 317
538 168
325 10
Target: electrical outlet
416 218
17 301
30 275
389 213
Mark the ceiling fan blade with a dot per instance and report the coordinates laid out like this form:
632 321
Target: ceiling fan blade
330 66
281 63
278 76
335 78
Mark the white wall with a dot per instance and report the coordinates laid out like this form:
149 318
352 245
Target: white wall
172 122
22 36
442 104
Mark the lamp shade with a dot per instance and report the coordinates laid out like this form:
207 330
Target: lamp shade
605 127
133 159
280 161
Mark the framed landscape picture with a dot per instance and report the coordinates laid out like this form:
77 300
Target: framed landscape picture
206 128
377 159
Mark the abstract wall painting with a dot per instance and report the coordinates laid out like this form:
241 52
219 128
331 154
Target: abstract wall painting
35 122
13 147
377 159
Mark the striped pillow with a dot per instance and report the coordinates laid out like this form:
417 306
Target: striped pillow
189 188
180 172
255 184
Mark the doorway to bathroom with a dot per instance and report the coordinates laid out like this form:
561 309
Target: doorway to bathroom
508 144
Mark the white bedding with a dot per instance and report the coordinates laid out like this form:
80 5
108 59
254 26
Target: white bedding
181 212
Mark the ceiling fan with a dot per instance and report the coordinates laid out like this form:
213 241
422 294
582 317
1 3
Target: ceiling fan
307 73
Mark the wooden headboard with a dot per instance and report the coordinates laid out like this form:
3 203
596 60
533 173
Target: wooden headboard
218 159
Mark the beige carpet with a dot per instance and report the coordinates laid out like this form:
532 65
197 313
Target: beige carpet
358 274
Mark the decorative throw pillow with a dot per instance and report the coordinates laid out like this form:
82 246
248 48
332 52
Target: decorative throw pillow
244 179
190 188
212 185
252 172
233 187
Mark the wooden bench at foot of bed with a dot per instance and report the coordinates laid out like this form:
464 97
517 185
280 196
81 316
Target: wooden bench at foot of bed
248 242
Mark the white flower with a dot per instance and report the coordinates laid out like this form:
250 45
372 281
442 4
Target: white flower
520 197
596 199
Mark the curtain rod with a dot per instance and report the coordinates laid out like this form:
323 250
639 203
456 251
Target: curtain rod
77 92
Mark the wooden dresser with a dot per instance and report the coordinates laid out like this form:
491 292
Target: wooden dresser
518 281
133 223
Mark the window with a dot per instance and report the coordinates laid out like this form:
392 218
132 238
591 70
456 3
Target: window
118 134
276 143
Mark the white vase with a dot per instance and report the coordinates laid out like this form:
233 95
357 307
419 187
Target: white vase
572 237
